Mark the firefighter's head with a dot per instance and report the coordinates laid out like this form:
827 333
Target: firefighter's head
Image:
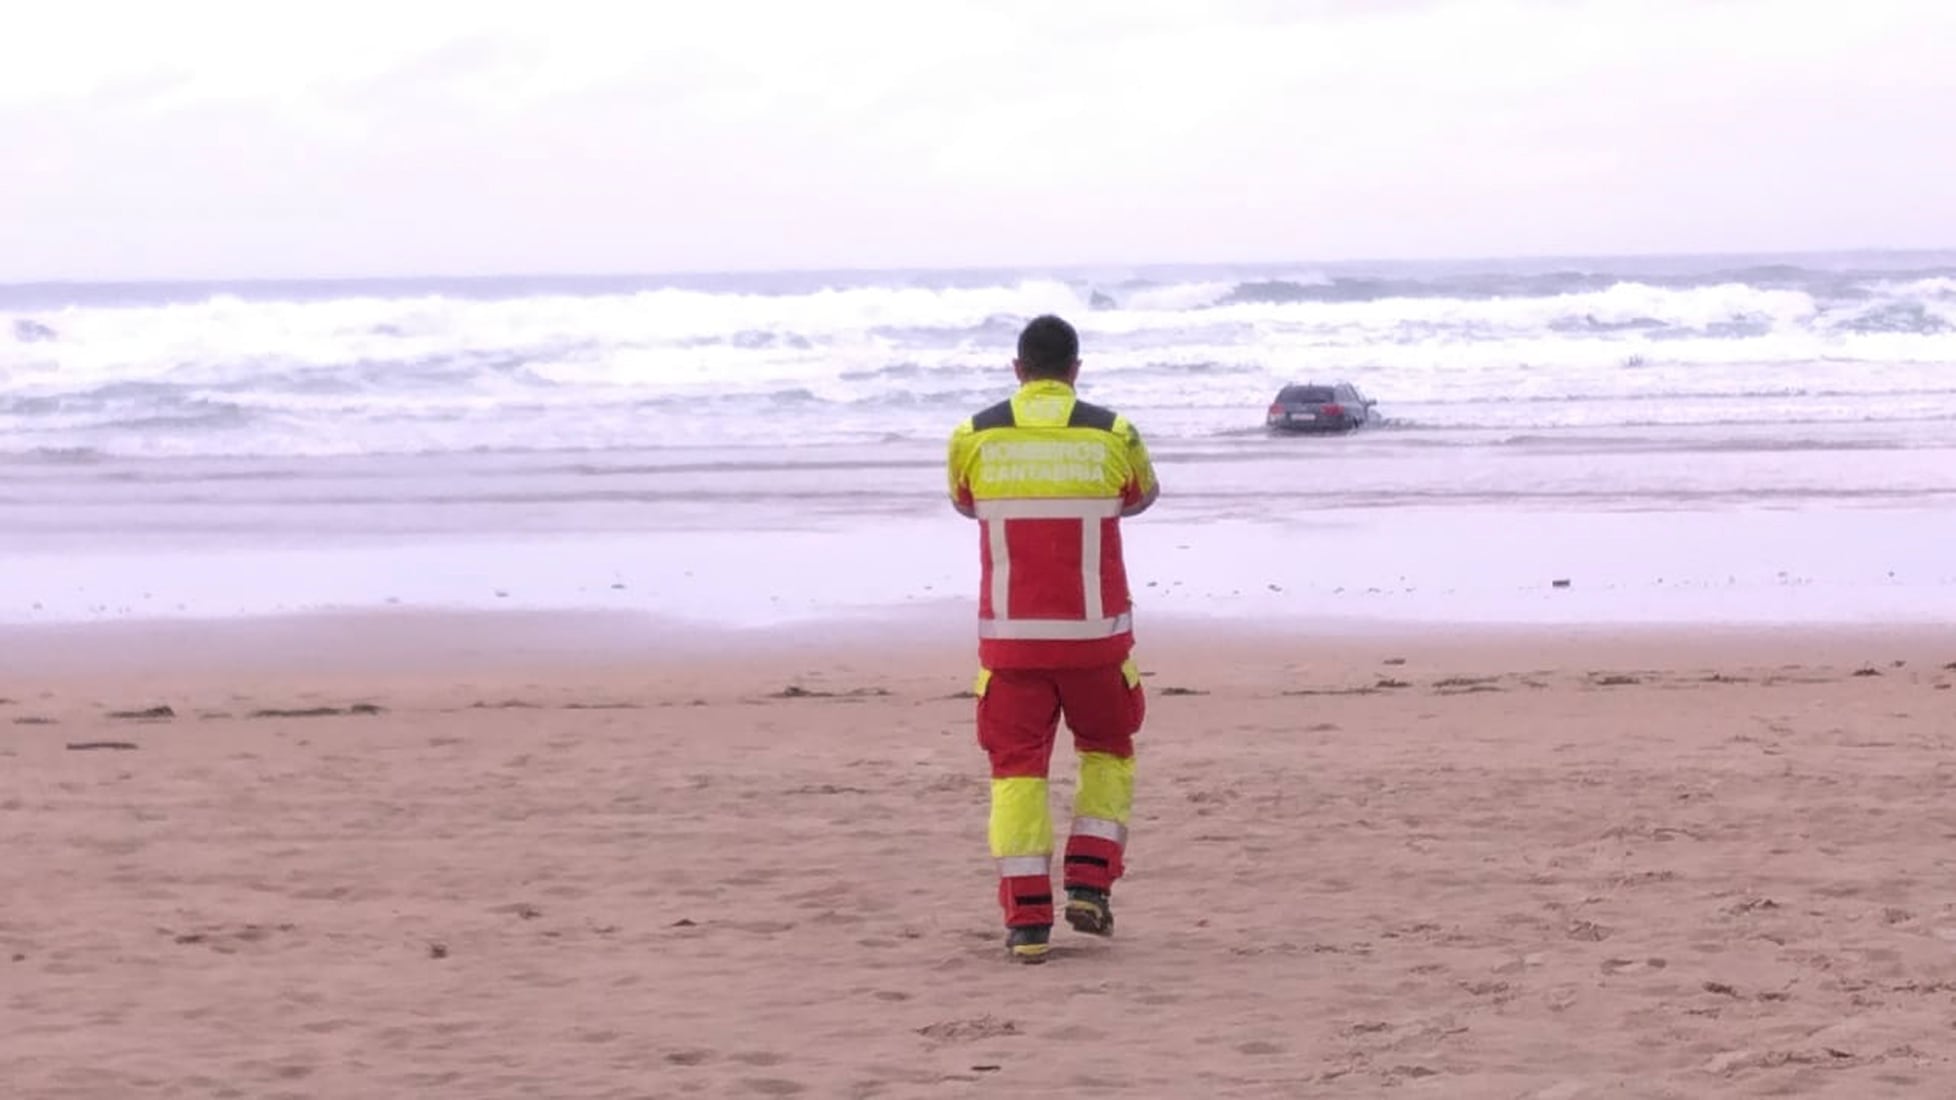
1048 348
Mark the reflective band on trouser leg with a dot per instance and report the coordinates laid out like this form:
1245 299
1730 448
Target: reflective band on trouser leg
1022 842
1100 813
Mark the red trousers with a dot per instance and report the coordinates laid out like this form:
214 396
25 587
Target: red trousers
1019 712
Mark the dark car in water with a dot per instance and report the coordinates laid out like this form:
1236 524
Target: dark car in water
1312 407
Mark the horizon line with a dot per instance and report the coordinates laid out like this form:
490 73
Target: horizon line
1024 269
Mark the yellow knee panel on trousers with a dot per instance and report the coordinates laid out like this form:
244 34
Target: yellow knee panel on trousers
1106 788
1021 823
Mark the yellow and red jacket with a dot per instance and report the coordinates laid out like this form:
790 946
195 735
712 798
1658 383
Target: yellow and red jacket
1048 477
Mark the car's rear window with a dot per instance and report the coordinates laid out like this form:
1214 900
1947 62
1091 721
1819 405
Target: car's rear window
1306 393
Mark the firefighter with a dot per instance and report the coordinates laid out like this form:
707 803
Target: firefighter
1049 477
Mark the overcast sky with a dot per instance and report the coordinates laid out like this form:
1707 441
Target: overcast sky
205 139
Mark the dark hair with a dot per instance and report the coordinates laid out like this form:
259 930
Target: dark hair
1048 347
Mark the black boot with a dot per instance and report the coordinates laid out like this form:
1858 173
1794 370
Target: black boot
1089 910
1028 942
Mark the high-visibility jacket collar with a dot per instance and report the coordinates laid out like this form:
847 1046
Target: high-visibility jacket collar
1036 386
1049 392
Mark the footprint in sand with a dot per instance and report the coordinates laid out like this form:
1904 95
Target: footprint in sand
1257 1048
796 691
367 709
1587 931
773 1086
1466 685
226 939
147 714
968 1030
690 1057
759 1058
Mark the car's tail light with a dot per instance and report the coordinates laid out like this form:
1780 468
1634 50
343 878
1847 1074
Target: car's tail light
1276 409
1332 409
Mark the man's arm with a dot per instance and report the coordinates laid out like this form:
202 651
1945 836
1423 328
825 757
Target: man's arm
1143 488
956 463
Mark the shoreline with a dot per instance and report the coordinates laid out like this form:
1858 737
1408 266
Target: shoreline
1312 564
418 642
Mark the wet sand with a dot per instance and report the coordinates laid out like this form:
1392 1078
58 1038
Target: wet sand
478 858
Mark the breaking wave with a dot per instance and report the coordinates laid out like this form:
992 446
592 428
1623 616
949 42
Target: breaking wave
390 367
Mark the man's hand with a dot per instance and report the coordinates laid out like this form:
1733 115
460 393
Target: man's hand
964 508
1147 501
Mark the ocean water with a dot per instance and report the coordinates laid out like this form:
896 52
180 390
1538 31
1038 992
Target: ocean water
769 360
1695 438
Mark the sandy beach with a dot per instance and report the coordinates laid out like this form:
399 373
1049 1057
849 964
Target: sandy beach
371 856
491 562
